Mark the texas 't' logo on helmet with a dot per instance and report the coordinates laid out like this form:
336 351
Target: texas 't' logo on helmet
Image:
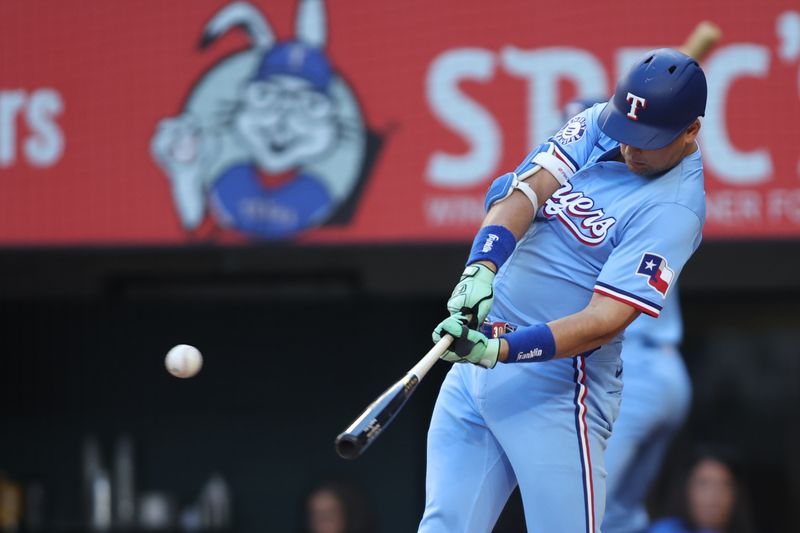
637 102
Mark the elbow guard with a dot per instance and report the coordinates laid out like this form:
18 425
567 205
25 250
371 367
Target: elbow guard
502 187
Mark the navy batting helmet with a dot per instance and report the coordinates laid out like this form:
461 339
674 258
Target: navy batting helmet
656 100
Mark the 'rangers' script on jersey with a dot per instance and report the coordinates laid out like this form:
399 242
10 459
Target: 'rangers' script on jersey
591 226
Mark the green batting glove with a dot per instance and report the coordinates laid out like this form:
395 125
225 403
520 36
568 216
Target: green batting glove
472 298
469 346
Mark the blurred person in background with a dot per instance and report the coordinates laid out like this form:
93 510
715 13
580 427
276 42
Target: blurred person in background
709 499
10 503
336 506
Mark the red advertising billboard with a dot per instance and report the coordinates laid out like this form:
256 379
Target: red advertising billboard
137 122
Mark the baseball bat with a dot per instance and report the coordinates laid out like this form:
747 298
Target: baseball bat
352 442
701 40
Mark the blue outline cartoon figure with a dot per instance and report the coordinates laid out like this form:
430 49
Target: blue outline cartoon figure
271 141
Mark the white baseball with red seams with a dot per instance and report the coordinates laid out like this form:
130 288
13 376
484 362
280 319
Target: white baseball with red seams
184 361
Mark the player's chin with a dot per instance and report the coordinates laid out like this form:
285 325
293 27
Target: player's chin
641 169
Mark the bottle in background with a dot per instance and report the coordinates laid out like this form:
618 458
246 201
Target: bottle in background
124 484
96 487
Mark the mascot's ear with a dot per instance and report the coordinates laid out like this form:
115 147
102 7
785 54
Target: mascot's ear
243 15
311 24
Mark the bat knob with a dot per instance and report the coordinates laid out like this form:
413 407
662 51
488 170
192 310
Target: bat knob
348 446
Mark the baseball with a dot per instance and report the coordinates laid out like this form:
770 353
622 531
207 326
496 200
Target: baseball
183 361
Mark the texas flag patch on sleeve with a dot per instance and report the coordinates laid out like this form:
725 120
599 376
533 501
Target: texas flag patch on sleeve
655 268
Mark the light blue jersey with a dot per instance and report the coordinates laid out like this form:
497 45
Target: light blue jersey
608 231
545 425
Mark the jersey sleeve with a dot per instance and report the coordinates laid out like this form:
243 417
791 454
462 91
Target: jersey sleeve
576 139
572 145
649 256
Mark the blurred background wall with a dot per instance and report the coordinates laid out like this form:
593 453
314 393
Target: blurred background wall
121 127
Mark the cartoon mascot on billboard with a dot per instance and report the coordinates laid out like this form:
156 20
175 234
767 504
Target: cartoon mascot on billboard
271 141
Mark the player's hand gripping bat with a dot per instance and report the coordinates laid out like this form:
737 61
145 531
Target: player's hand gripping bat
352 442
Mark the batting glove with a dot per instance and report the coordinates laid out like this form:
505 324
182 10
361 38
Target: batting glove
473 296
469 346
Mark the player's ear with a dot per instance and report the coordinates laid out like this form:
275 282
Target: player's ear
692 131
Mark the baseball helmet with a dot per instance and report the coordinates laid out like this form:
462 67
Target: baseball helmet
656 100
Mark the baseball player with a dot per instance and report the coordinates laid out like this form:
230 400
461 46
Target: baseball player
626 213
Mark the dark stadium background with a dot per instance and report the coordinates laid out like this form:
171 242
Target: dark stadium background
99 276
294 351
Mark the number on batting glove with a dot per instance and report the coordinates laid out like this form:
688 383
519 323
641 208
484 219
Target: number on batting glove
469 346
473 296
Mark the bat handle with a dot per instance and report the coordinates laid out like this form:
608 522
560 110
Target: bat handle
430 358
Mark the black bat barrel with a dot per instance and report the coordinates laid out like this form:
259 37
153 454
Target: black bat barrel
352 442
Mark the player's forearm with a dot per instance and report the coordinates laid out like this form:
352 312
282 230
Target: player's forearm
579 333
597 324
572 336
516 213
